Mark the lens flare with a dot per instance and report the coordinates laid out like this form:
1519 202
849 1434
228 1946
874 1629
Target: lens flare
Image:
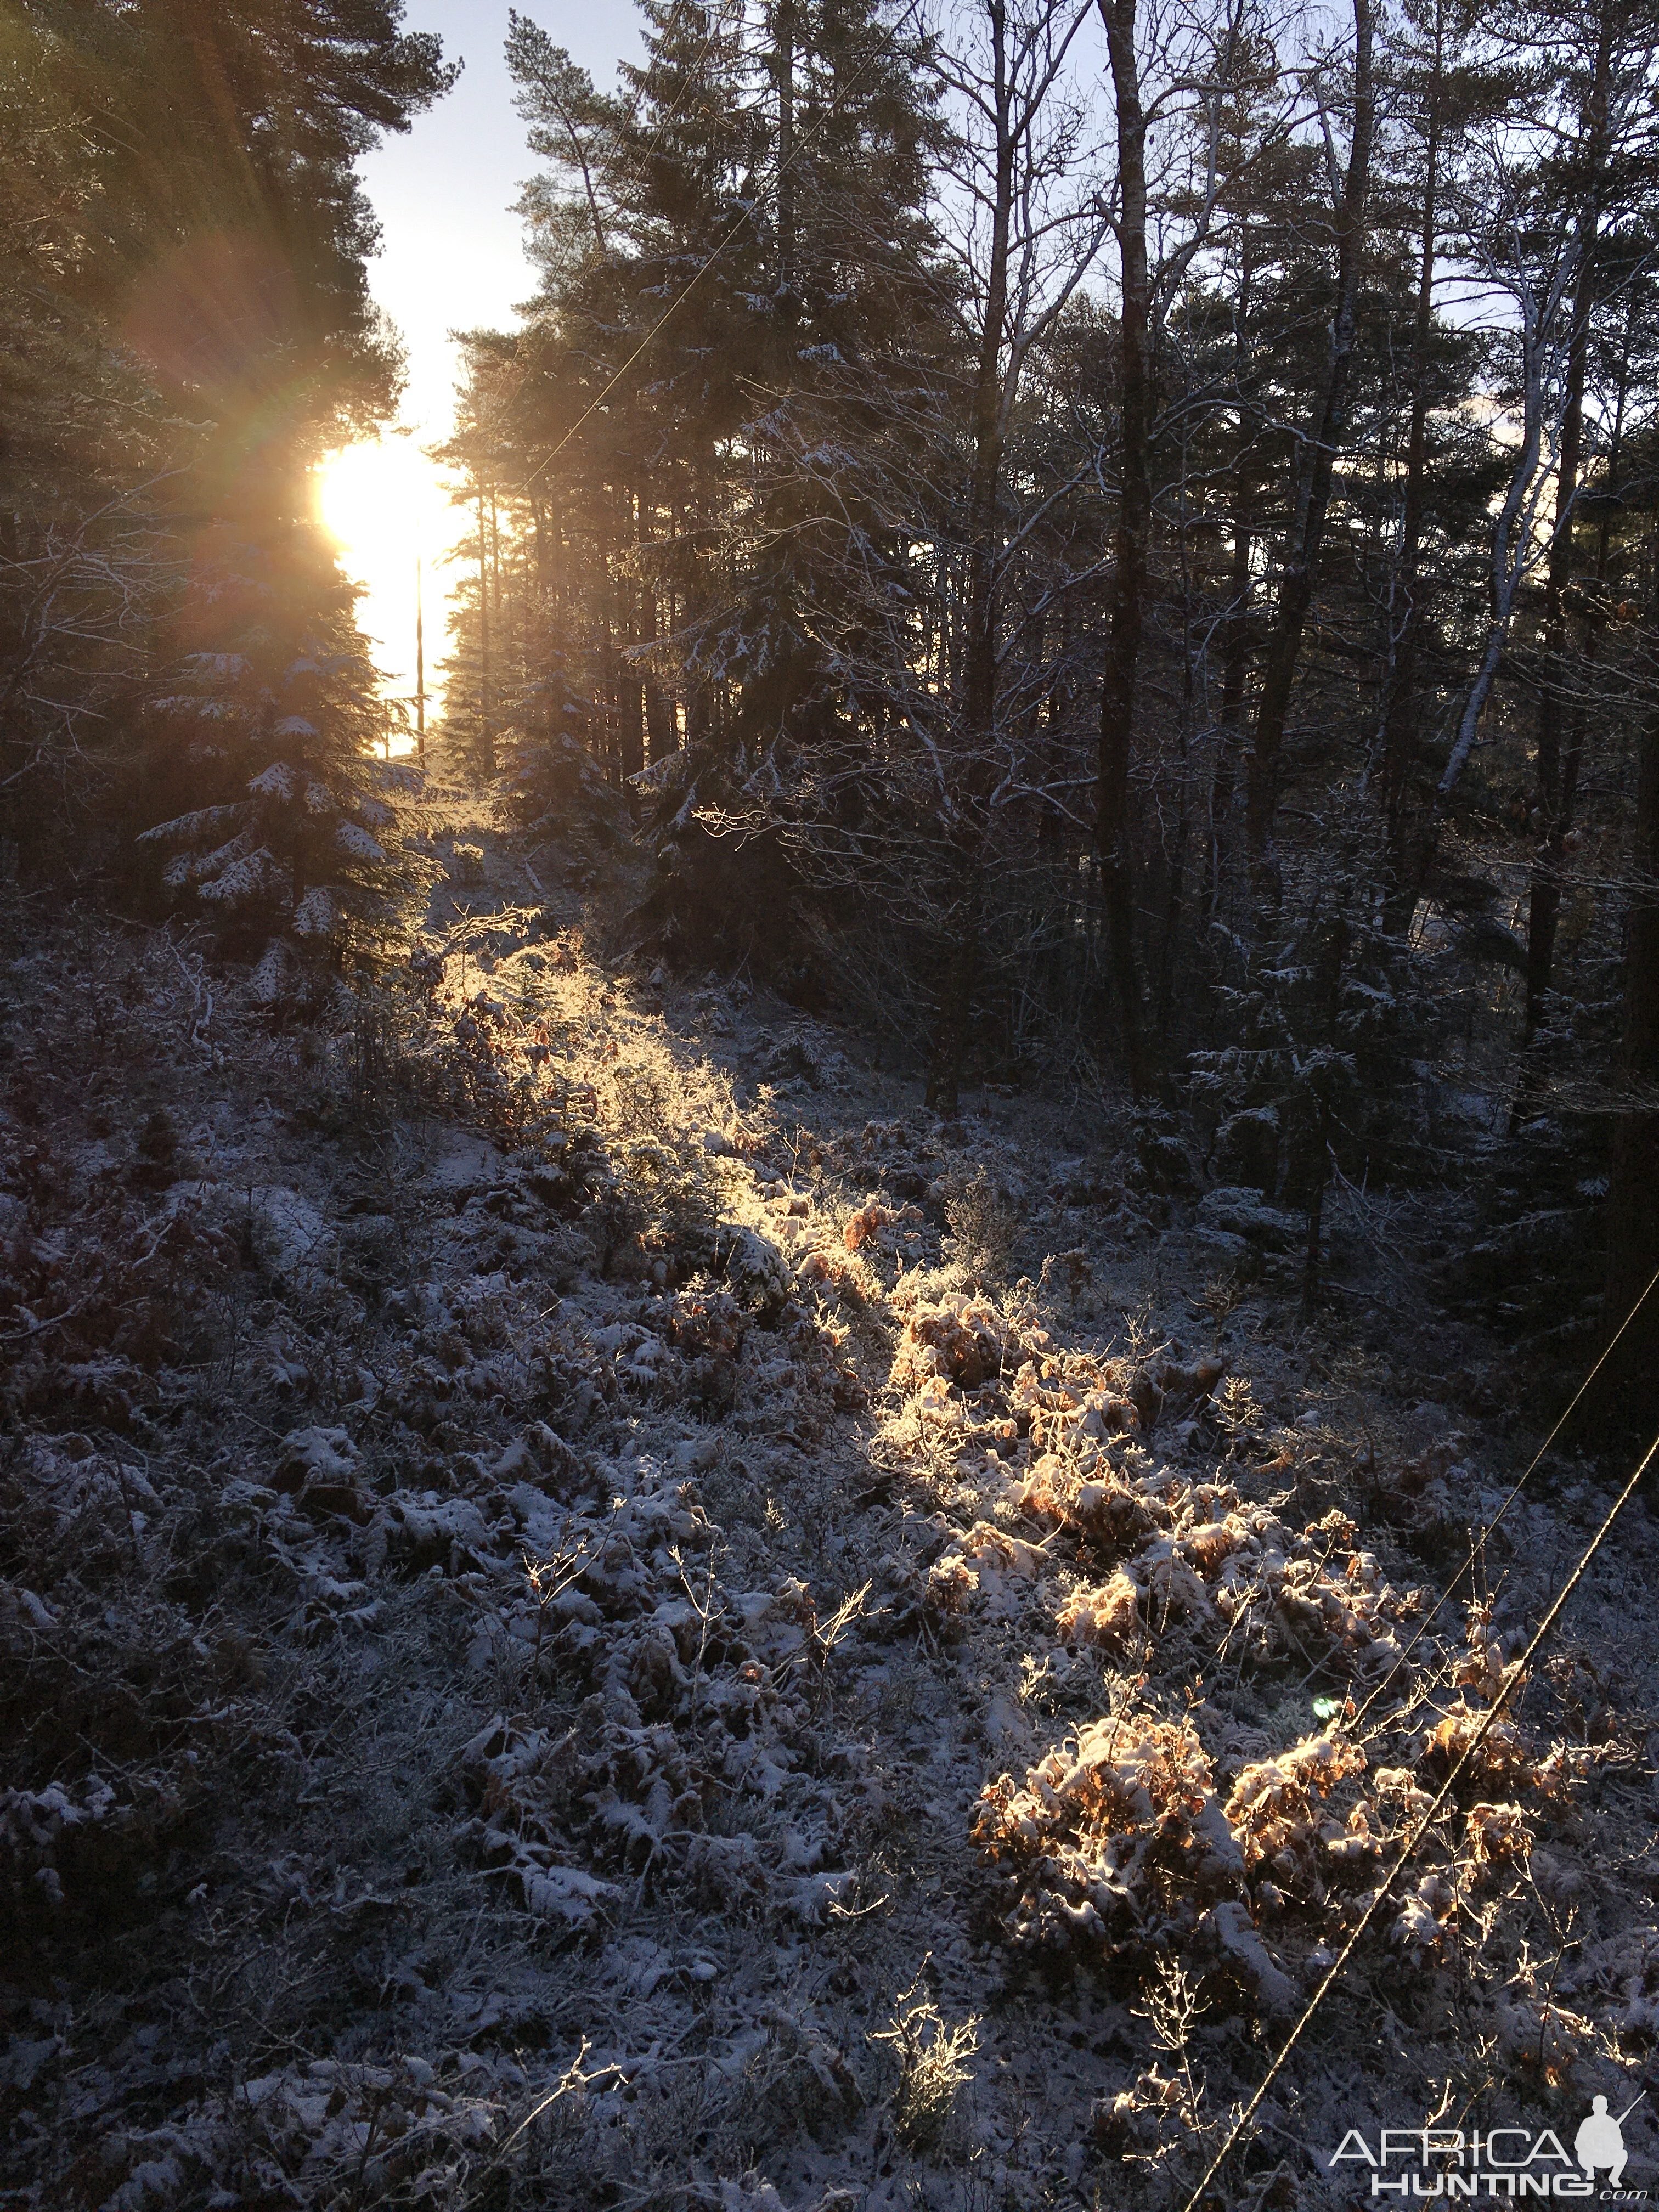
384 504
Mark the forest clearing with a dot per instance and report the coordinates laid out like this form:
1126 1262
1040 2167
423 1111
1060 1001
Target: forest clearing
834 1389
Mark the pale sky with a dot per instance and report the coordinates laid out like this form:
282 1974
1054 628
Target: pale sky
451 260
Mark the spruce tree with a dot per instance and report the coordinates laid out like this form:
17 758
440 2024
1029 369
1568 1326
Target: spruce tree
276 720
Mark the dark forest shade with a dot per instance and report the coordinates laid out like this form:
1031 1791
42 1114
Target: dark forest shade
1009 512
840 527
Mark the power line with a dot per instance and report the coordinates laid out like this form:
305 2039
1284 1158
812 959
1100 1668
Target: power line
1475 1547
736 231
632 168
1515 1675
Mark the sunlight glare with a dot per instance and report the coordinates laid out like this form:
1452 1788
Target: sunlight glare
384 504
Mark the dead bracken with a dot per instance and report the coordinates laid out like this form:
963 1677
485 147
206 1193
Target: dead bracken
571 1634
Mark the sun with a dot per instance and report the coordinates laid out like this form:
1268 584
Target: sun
384 504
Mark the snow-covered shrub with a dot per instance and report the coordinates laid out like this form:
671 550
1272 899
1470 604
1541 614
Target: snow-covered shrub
756 1272
1496 1838
866 1223
320 1470
478 1059
983 1225
1505 1761
672 1199
708 1328
692 1706
1116 1841
345 2127
553 785
949 1593
35 1824
1327 1031
1109 1514
1276 1809
965 1340
1193 1549
1542 2039
1107 1614
934 2063
122 1284
985 1562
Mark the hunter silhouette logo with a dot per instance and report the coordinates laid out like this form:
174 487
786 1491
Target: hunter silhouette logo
1600 2141
1416 2163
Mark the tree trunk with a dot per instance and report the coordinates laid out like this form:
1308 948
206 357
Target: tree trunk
1235 672
630 728
1335 960
659 714
1399 723
606 600
484 753
1558 766
1235 646
1114 831
1314 479
785 79
980 659
1176 889
979 667
1556 775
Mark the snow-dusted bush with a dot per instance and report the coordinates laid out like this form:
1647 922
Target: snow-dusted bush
934 2062
1116 1841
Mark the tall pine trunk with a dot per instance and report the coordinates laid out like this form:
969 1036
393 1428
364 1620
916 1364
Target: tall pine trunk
1557 762
1114 829
630 702
979 660
1400 683
1306 535
1235 638
485 749
1235 672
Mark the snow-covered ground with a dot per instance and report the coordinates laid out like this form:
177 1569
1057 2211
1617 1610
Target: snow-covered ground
600 1610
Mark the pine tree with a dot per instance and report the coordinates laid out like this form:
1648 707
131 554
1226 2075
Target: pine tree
209 312
275 718
775 203
86 448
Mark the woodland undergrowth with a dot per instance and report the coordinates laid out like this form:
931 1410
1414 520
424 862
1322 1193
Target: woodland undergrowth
508 1559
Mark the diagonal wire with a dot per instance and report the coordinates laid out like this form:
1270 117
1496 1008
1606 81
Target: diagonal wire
742 223
632 168
1514 1676
1474 1549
